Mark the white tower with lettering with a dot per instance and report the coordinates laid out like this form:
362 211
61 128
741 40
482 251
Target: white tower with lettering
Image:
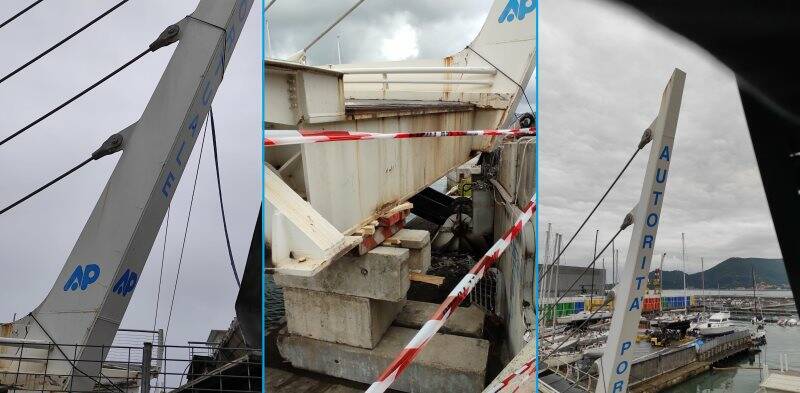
615 364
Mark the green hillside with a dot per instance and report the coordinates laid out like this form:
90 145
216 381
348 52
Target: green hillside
732 273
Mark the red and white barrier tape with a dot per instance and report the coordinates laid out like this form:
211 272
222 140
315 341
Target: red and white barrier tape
292 137
454 299
525 371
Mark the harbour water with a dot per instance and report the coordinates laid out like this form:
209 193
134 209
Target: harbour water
743 374
273 301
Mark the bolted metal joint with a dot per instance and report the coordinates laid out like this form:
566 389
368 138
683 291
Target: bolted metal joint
647 136
167 37
112 145
609 297
627 221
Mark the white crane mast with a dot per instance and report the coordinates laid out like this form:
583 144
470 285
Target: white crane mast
86 304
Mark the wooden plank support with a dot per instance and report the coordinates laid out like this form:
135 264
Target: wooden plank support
425 278
378 232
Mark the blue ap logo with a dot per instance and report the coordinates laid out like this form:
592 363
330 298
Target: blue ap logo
126 283
517 9
82 277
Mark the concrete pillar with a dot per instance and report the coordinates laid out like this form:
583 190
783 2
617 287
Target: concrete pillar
350 320
379 274
448 363
465 321
418 243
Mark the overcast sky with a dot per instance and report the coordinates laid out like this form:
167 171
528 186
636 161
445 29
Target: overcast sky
602 71
37 236
377 30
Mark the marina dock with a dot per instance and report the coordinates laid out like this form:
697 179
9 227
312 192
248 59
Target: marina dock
653 373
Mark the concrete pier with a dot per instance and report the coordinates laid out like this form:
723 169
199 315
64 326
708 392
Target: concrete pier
465 321
351 320
418 243
448 363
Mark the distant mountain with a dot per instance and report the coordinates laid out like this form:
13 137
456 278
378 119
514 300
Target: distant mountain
732 273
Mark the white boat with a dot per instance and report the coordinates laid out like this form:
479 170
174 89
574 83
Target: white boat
582 316
716 325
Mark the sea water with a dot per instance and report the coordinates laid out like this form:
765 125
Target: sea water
744 373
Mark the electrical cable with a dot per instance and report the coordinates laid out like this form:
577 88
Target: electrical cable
59 43
646 138
185 232
24 10
219 192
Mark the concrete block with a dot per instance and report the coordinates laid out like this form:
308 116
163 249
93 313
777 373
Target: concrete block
465 321
412 238
420 259
350 320
447 364
380 274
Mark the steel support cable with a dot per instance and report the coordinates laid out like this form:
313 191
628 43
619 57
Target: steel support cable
625 223
506 75
161 273
71 362
18 14
185 232
112 145
647 136
64 40
168 36
219 192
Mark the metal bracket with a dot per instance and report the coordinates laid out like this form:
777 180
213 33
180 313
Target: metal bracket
167 37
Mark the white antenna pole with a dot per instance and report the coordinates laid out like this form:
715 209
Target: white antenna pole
613 264
269 39
339 47
543 290
314 41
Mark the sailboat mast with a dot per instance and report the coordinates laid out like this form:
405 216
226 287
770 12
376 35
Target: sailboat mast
702 282
753 273
661 281
683 258
594 257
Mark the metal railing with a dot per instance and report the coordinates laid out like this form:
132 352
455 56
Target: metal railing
577 377
652 366
27 366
